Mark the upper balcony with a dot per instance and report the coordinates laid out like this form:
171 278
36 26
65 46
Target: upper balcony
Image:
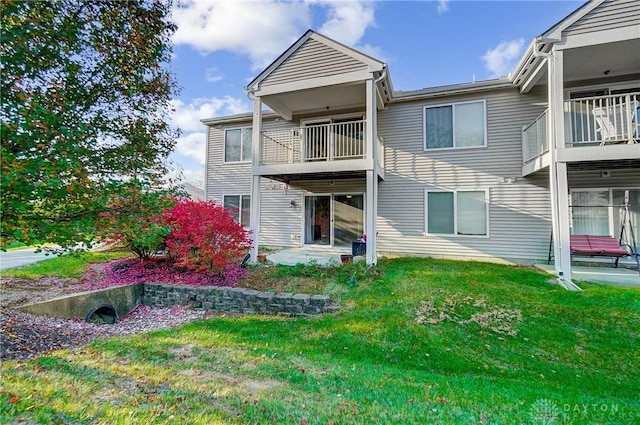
597 128
319 148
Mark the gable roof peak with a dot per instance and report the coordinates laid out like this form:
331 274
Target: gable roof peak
374 64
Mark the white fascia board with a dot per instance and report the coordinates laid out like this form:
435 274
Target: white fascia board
533 77
601 37
599 153
556 30
254 85
314 167
523 61
332 80
537 164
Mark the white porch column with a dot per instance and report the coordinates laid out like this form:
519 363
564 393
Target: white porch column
371 206
371 216
255 181
558 184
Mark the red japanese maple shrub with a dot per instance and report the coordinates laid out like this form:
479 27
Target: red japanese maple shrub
204 236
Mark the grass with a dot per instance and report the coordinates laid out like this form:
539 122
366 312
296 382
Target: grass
306 278
417 341
66 266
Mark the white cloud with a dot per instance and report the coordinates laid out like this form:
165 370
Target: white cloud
373 51
193 145
347 21
187 116
443 6
262 30
500 60
213 75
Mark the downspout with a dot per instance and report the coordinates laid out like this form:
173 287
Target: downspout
384 74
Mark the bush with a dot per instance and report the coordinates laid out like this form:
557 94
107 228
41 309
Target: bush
204 236
135 219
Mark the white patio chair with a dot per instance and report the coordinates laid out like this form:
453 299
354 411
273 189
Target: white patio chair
617 123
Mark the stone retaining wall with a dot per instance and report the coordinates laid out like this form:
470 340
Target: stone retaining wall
236 300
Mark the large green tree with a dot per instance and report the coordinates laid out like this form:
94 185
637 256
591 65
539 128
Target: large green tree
86 90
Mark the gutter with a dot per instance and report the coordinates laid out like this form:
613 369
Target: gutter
457 89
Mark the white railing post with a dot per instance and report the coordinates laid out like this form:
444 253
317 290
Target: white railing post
629 118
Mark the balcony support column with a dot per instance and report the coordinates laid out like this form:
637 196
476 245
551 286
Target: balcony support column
558 182
371 207
255 181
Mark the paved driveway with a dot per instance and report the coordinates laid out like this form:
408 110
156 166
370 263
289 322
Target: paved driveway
21 257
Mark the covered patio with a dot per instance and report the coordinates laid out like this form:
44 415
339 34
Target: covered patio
308 255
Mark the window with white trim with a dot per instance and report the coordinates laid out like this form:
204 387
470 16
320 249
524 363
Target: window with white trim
457 125
237 144
463 213
239 206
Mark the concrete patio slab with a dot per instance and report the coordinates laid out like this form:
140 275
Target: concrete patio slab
622 277
320 256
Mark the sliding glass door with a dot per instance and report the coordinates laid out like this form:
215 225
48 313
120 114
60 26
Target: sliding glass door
348 221
604 212
317 220
334 220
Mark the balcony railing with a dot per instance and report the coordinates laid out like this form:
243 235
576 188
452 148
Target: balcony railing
312 143
602 120
593 121
534 138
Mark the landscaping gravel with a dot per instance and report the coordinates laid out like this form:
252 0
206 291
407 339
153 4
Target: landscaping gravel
24 336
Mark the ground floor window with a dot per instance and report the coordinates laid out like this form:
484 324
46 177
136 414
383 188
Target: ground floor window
463 213
239 206
603 212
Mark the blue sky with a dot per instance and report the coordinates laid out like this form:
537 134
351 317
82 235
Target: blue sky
222 45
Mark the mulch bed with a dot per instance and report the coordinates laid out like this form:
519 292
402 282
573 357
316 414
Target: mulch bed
24 336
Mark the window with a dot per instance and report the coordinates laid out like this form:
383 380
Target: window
237 144
461 213
239 206
460 125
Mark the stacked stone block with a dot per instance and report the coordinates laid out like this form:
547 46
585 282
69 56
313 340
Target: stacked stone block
237 300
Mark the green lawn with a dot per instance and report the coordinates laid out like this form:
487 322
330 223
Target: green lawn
66 266
422 341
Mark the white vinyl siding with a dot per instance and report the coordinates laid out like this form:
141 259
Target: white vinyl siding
237 145
458 125
312 60
239 206
462 213
607 16
518 208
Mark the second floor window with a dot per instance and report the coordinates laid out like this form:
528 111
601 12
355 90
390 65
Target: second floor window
237 144
458 125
